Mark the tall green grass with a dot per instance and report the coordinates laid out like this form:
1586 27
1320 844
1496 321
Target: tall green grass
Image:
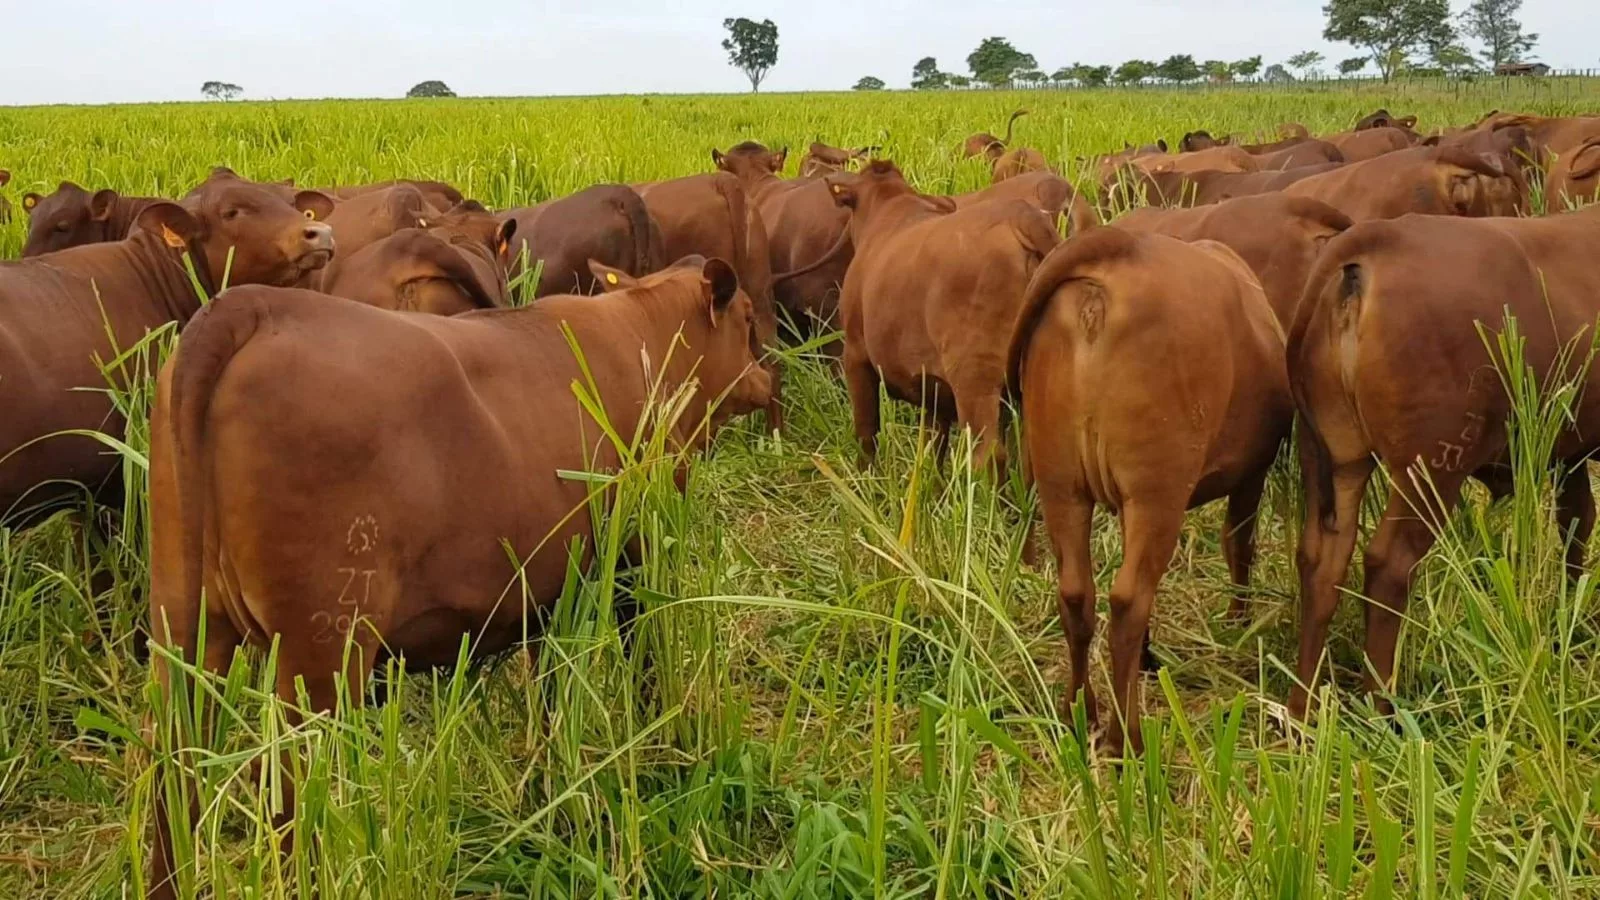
840 683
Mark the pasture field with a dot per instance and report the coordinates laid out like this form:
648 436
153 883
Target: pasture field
844 682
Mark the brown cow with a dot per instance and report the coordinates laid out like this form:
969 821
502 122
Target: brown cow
820 159
1107 165
394 503
1440 180
368 217
607 222
1575 178
1202 140
1550 137
1049 192
1151 376
1388 364
806 231
1168 188
1016 162
1277 236
1299 154
985 144
927 322
61 311
709 215
1215 159
438 195
1384 119
71 217
1370 143
5 205
447 268
1119 187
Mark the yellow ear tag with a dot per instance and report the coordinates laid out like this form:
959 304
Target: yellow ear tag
503 249
29 203
837 189
611 278
311 214
422 223
173 239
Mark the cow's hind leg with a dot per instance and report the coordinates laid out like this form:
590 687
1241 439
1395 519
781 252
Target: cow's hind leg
1403 537
861 380
978 408
1149 535
1239 537
1326 544
181 632
1070 523
1575 513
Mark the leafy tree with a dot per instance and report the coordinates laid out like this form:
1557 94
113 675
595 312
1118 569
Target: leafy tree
925 75
1063 74
752 48
1178 68
1247 68
1032 76
869 83
1305 62
1452 59
1389 30
1277 74
430 89
1134 71
1094 76
959 81
1494 22
1217 70
221 90
996 62
1353 65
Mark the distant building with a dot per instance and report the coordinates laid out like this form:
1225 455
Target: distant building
1535 69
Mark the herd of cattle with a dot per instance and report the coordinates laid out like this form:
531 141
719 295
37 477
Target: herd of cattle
332 471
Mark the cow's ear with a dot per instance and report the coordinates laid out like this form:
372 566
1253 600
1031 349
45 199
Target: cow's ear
717 158
611 279
1407 121
719 284
176 226
30 201
1586 160
778 160
222 172
843 193
102 204
502 239
5 177
1162 143
315 204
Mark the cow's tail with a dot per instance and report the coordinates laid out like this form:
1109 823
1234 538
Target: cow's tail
1067 262
647 251
1010 124
733 197
1325 322
839 246
179 527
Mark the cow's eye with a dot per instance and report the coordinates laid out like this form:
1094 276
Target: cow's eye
230 213
63 227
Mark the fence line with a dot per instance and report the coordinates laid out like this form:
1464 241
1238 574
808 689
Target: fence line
1478 80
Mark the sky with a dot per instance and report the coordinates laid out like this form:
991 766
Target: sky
105 51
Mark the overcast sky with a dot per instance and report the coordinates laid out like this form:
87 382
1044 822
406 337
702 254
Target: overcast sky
100 51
